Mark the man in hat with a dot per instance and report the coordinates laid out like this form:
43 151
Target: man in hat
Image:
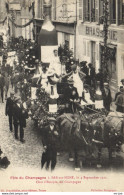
106 94
120 101
99 77
71 96
122 81
119 91
91 74
19 116
50 140
9 109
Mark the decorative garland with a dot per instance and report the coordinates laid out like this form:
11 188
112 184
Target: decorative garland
2 22
21 26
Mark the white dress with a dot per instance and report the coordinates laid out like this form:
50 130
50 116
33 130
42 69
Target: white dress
78 83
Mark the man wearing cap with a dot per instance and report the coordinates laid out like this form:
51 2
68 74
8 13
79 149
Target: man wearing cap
119 92
49 139
71 96
19 116
107 99
9 109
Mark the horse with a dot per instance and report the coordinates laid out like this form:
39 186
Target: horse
72 137
87 133
108 131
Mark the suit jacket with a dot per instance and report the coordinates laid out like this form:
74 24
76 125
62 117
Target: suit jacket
107 99
120 100
71 93
9 107
49 138
19 115
91 72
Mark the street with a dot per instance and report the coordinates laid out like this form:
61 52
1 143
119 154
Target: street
28 154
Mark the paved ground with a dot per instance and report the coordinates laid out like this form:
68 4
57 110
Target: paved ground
29 154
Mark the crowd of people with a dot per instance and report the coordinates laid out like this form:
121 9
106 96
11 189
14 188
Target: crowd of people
81 85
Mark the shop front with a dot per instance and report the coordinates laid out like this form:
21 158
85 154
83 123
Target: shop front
91 50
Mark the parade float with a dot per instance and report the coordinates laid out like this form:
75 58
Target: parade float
42 90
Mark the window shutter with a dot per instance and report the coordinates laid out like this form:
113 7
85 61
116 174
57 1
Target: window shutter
101 8
120 11
96 11
80 9
54 9
41 9
110 12
86 10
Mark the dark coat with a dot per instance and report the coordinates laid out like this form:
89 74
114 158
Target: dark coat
84 69
91 72
107 99
19 115
9 107
71 93
2 81
120 103
49 138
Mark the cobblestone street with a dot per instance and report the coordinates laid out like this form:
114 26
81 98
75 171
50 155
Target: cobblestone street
28 154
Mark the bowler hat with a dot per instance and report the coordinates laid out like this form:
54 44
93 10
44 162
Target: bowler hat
51 119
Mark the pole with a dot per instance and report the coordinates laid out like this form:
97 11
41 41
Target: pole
75 24
105 31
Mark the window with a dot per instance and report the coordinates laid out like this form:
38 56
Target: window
113 11
54 9
116 11
91 10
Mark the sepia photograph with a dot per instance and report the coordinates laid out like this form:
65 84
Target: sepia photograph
61 96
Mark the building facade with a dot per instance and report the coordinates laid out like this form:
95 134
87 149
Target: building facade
26 16
63 16
15 16
90 37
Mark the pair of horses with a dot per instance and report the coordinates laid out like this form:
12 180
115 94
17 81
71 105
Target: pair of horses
85 134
